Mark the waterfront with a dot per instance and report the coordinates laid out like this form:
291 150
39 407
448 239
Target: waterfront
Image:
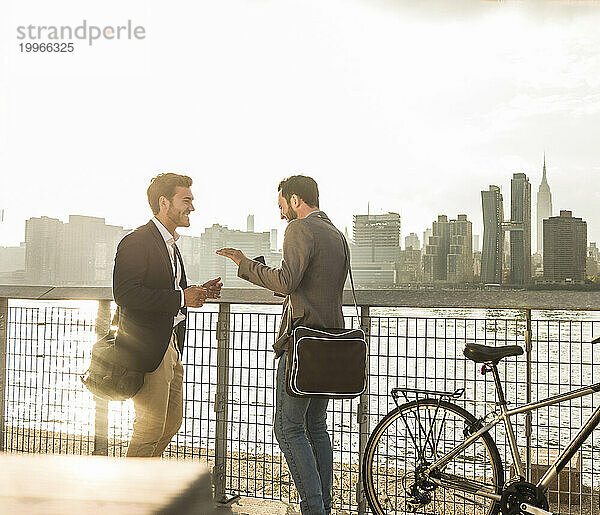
48 410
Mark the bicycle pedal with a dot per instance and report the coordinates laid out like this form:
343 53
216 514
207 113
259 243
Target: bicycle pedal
527 508
412 505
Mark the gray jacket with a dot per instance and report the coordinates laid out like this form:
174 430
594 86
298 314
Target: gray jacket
312 275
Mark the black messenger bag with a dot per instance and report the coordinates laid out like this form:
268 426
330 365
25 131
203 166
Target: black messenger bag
106 377
327 363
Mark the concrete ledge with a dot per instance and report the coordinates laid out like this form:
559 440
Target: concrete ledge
254 506
59 484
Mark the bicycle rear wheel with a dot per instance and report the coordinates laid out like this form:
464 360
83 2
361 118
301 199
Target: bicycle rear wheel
411 437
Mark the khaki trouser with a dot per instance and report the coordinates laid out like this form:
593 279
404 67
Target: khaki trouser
158 406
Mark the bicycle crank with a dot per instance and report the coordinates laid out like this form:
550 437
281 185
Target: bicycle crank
527 508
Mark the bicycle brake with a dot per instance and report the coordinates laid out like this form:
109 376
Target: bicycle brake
474 427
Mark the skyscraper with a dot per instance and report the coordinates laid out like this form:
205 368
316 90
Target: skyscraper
459 266
43 240
377 230
520 230
426 234
544 208
493 235
593 260
412 240
448 255
250 223
375 251
435 258
565 246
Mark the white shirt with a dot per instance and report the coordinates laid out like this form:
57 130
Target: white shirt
175 263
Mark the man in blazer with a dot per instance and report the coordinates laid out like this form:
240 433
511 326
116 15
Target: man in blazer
311 276
150 288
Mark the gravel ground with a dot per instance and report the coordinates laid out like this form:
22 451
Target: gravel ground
257 478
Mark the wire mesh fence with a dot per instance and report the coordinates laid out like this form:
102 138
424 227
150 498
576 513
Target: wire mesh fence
47 409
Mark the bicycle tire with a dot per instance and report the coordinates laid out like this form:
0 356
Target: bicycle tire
377 471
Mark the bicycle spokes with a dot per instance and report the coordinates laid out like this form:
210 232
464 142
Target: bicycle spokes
404 446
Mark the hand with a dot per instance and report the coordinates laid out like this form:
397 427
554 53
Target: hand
194 296
213 287
234 254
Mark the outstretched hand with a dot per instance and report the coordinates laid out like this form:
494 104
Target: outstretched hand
234 254
213 288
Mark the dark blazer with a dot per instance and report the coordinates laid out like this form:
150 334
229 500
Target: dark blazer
312 275
148 302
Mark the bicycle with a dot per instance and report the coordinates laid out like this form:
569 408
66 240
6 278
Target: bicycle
431 456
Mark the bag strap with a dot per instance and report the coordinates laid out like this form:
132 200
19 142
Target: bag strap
115 318
346 248
114 323
347 255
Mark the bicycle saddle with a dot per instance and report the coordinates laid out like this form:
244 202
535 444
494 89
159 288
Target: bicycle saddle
486 354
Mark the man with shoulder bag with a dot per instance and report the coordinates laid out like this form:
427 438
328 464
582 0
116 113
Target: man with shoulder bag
150 288
311 277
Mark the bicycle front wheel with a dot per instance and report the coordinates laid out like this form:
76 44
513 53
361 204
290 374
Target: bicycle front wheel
412 437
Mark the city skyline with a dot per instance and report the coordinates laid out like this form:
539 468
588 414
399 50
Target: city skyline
391 105
81 251
247 221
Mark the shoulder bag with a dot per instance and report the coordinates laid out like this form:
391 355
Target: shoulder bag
106 377
327 363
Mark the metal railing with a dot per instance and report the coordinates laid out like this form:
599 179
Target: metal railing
416 339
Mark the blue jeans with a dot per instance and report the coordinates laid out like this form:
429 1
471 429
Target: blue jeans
301 429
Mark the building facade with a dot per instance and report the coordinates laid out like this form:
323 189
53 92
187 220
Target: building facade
448 255
210 265
493 236
12 259
43 240
565 248
375 249
593 260
377 230
80 252
520 230
412 241
460 256
435 257
544 208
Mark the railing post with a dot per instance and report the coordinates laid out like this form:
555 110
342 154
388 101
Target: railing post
221 408
101 411
528 417
3 345
363 416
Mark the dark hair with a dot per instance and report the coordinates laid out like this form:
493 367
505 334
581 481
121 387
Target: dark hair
305 187
163 185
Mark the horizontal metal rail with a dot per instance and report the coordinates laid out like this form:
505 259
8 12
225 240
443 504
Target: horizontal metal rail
418 298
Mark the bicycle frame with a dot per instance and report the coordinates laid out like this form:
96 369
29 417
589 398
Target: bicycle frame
504 416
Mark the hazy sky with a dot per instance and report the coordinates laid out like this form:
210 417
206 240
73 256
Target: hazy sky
414 109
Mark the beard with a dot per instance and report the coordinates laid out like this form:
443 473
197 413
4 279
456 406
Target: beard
177 217
291 214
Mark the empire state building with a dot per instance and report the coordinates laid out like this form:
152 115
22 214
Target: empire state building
544 208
